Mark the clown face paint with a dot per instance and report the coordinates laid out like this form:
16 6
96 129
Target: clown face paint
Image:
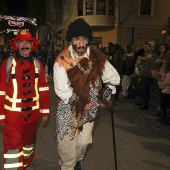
80 45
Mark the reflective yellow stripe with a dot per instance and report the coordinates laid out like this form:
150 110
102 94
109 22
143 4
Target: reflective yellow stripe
36 85
14 84
44 111
27 155
15 92
18 100
2 117
28 149
13 155
13 165
2 92
43 88
18 109
14 99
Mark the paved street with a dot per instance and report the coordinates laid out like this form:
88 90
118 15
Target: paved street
142 143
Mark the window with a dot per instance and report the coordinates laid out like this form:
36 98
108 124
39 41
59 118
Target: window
96 7
96 42
101 7
89 7
111 7
80 7
145 7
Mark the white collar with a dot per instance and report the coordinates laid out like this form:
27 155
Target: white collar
86 55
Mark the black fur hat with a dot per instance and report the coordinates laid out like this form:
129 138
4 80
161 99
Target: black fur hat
79 28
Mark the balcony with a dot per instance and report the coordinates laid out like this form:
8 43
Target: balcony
98 13
100 20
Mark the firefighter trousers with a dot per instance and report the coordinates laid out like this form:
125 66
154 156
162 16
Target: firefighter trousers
19 142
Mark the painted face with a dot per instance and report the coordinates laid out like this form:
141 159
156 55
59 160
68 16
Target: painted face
80 45
24 47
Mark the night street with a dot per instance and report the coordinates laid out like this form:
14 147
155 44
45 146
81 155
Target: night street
77 46
142 143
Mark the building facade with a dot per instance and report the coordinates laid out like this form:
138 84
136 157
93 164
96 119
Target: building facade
118 21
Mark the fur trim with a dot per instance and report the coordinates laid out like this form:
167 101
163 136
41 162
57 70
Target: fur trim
79 28
81 82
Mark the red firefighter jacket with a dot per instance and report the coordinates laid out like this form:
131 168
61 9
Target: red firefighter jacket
25 97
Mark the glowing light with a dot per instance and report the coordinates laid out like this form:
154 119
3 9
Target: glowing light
12 30
19 19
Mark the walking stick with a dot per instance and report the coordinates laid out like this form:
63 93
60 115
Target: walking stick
113 134
108 96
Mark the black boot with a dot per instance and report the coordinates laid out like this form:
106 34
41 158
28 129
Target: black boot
144 107
164 117
166 122
78 165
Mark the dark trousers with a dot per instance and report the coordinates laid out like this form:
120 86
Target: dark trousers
146 83
50 70
166 105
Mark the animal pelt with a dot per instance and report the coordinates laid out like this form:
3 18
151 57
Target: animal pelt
105 97
80 81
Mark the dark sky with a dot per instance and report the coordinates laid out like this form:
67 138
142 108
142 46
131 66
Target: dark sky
16 7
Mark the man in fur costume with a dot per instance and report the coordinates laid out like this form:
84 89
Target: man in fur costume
78 72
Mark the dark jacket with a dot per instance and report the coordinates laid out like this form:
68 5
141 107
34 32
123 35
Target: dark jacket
148 65
128 65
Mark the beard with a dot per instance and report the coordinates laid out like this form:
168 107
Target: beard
80 50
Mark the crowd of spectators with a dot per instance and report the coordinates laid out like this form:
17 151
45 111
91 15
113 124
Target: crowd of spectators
143 72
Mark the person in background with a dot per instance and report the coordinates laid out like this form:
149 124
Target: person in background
127 70
50 62
147 47
118 64
164 85
146 79
110 52
24 97
78 71
56 53
160 68
44 61
39 55
161 56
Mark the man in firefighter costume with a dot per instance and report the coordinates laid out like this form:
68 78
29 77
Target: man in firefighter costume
78 71
24 97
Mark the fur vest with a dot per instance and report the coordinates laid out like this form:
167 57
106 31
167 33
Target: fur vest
81 81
